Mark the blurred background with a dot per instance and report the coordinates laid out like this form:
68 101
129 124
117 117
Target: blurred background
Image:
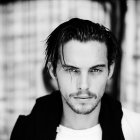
24 27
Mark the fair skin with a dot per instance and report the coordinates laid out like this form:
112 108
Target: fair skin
81 77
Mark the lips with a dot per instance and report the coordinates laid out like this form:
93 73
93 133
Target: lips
83 97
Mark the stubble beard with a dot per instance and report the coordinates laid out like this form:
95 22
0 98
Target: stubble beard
82 108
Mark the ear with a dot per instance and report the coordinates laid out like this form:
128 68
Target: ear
111 70
51 70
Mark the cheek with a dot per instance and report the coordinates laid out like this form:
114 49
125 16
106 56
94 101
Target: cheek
98 84
66 82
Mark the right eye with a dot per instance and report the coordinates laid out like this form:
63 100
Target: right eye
72 70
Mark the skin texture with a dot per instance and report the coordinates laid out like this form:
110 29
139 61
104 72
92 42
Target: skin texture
81 74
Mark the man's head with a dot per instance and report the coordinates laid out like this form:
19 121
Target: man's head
81 56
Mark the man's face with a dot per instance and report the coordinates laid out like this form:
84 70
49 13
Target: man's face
82 73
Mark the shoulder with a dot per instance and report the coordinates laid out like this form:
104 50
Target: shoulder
131 124
52 96
131 114
45 109
47 101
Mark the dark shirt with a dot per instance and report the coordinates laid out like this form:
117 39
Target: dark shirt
45 117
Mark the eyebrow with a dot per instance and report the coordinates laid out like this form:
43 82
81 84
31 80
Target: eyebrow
100 65
69 66
93 67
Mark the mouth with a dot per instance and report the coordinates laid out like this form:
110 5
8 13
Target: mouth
83 98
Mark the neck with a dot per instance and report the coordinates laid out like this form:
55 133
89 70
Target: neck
76 121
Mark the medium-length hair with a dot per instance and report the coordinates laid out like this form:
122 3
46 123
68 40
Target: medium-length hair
83 31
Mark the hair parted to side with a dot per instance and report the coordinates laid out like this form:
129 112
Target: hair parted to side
83 31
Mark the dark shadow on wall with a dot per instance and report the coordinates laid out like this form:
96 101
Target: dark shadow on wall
5 2
117 16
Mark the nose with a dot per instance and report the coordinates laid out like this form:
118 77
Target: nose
83 82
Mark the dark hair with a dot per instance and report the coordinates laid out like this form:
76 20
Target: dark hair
81 30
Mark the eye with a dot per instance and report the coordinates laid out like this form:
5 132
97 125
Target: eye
95 70
72 70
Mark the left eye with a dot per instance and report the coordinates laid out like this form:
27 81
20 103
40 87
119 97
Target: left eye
95 70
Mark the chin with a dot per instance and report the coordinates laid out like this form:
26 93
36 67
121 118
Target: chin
83 109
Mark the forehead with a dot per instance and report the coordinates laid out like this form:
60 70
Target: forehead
84 54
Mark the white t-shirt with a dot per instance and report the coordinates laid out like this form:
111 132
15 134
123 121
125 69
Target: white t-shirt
64 133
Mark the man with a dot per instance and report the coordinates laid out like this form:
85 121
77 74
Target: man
80 56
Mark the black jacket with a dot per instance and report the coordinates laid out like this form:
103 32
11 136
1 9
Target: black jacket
42 122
